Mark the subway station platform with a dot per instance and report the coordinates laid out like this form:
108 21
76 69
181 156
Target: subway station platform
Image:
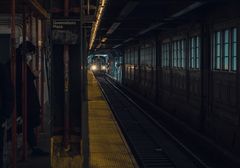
107 146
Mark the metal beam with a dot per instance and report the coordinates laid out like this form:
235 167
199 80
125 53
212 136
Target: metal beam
39 8
66 87
13 73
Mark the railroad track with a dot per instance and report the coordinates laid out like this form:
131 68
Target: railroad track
151 143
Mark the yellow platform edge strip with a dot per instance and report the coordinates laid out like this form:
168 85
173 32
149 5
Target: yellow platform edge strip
108 147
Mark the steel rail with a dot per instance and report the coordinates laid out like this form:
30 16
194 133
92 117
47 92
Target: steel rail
197 160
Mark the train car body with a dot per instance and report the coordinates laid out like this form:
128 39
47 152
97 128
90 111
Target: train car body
192 71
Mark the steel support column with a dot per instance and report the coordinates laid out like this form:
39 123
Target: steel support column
66 85
30 26
24 92
42 72
84 112
13 68
37 67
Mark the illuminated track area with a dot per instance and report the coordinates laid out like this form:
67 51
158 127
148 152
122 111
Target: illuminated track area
152 144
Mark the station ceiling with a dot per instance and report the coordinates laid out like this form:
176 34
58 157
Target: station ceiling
124 20
39 7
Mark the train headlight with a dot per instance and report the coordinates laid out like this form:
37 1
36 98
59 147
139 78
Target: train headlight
94 67
104 67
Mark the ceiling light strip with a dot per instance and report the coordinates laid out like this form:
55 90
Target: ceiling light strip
101 8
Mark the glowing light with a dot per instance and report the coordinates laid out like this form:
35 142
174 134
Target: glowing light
93 67
104 39
103 67
101 7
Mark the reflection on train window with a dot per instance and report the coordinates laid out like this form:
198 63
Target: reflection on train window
174 54
225 50
217 57
194 52
178 54
165 55
234 49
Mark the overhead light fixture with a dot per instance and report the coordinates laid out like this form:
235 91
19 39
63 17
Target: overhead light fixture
101 55
124 13
131 5
116 46
114 26
130 39
104 40
99 45
101 8
150 28
188 9
178 14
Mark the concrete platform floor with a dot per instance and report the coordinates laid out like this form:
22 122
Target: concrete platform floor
38 162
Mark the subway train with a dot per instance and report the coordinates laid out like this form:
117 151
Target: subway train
99 65
192 72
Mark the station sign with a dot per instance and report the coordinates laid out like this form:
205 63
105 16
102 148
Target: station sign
66 31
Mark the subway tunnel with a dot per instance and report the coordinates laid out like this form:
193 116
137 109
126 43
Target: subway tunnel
119 83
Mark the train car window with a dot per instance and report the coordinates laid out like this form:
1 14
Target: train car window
168 54
217 56
174 54
183 53
150 53
194 52
154 55
128 56
179 56
136 55
145 56
133 56
127 63
125 56
165 55
198 53
226 50
234 50
142 55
